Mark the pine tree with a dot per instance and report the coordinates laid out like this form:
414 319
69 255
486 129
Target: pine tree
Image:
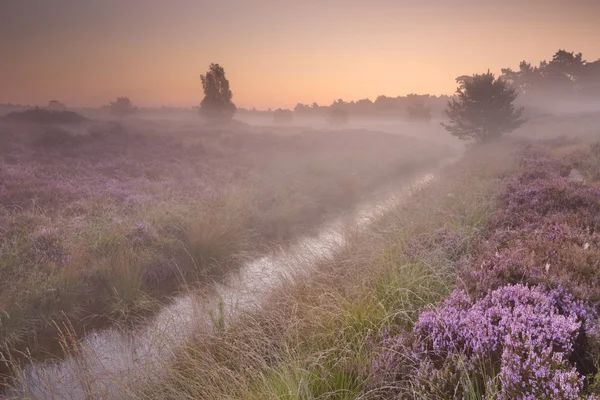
483 108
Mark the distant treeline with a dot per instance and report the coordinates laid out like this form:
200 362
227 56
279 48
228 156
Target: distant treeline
383 106
567 76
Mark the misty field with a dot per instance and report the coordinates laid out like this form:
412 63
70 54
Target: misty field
104 221
300 200
480 283
483 286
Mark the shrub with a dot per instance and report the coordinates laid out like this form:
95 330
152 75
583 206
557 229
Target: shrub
45 116
550 253
518 342
122 107
546 234
483 108
527 325
530 202
55 105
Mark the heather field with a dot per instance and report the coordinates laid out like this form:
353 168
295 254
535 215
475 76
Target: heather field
481 284
483 287
102 222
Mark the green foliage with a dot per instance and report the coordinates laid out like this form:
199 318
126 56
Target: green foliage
483 108
567 74
216 106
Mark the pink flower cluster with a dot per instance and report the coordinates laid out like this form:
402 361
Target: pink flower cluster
526 324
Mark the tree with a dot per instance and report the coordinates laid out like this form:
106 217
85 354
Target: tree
567 75
527 80
589 81
122 107
282 116
302 108
483 108
338 116
55 105
216 106
416 109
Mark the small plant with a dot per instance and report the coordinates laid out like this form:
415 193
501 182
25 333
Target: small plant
122 107
483 108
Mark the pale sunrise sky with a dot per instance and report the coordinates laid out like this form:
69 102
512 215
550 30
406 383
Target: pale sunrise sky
276 53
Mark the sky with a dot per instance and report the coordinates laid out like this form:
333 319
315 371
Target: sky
276 53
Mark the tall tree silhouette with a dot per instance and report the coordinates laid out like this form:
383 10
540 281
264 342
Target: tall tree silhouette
483 108
566 76
216 106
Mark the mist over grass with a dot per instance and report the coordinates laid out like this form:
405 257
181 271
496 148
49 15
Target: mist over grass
103 222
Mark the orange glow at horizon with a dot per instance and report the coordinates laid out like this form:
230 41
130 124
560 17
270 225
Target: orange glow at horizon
275 53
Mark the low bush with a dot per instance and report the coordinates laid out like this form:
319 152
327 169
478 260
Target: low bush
516 342
45 116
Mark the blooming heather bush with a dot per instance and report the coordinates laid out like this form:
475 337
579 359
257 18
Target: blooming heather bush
526 328
535 164
521 338
542 197
546 234
45 116
551 253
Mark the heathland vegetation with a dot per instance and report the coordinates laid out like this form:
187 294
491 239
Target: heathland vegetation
103 222
479 285
504 236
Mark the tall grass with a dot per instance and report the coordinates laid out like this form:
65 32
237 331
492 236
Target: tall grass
106 225
314 337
